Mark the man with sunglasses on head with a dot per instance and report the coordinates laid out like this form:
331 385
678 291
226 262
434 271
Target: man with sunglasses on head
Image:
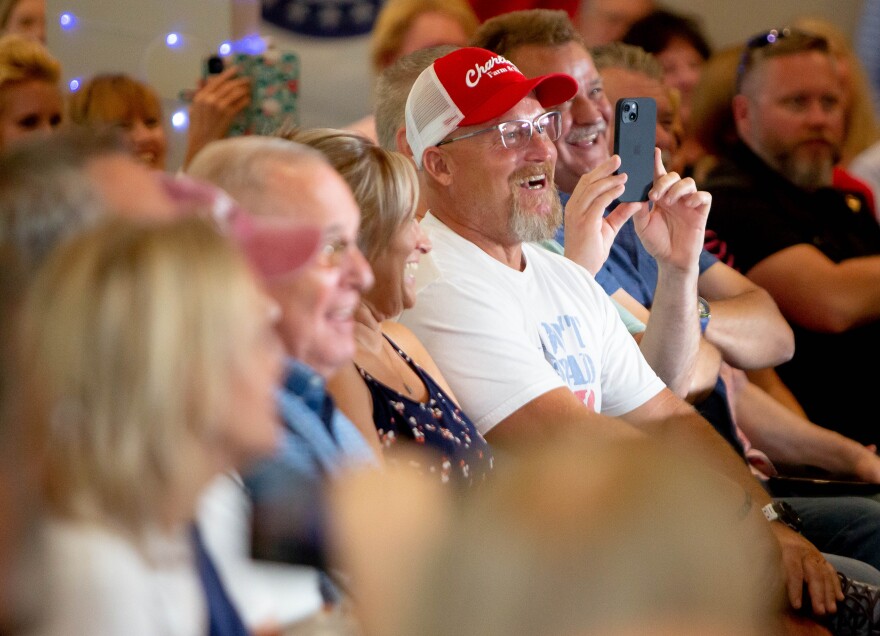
486 324
814 247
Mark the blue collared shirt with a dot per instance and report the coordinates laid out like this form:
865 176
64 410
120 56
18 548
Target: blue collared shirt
629 265
286 490
318 437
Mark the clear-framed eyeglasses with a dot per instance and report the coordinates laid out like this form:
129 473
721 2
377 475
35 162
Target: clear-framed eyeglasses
517 133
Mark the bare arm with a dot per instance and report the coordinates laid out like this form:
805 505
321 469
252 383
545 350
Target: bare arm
353 398
667 416
414 348
819 294
746 325
706 373
674 421
768 380
672 229
556 410
787 438
691 377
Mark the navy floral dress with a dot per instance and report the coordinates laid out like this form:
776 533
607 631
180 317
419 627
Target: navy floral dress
461 454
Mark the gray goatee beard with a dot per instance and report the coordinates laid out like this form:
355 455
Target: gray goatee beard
808 173
529 227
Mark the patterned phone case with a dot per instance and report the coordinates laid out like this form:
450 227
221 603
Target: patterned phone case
274 91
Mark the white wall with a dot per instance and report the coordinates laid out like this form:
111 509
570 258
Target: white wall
729 21
335 83
128 36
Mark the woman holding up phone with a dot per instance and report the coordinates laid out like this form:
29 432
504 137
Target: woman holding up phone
134 106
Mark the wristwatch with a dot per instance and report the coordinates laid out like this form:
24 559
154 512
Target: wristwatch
705 313
782 512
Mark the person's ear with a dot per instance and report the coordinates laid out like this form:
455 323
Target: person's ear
401 142
438 165
741 105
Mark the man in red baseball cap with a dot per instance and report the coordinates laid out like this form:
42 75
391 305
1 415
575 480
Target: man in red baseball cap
528 340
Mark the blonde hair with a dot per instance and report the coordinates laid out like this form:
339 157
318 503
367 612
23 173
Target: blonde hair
384 182
114 99
22 59
862 127
131 332
397 16
599 539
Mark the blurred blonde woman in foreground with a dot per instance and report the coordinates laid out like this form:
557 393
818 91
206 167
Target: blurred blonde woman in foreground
153 358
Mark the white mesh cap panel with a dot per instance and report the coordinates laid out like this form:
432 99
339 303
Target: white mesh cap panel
430 114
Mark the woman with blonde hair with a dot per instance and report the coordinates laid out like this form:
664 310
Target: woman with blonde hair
123 101
153 359
30 100
27 17
404 26
394 392
712 131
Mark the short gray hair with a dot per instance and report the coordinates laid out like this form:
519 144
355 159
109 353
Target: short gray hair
392 89
239 165
629 57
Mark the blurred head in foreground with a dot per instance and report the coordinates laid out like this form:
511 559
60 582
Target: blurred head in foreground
574 539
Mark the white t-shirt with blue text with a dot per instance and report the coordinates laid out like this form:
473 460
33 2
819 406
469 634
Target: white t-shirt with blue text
504 337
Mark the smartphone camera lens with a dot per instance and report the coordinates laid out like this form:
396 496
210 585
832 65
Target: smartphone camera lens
629 111
215 64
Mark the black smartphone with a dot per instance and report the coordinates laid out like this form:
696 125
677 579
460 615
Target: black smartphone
635 131
214 65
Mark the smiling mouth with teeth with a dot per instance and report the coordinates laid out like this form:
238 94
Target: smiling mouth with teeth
534 183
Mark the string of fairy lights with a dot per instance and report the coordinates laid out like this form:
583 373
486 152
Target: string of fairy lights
254 44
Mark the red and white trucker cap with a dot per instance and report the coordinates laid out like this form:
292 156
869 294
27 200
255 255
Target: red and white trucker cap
470 86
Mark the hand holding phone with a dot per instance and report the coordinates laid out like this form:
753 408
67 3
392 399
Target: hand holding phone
635 128
218 102
261 90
